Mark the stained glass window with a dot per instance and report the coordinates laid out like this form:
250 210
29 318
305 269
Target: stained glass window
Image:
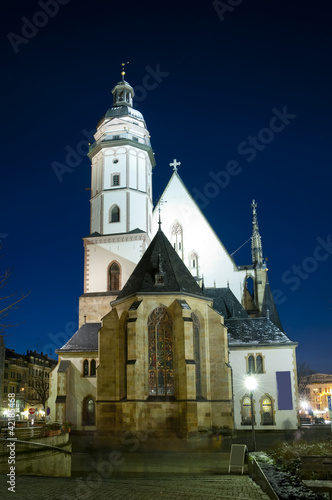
197 355
160 337
88 417
246 411
267 411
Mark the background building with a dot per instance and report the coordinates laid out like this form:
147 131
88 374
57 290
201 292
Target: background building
27 376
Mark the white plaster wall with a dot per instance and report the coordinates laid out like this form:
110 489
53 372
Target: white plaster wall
100 255
116 197
215 262
274 359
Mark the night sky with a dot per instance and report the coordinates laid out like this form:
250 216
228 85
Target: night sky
210 82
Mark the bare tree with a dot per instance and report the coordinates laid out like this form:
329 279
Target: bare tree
304 372
8 302
37 388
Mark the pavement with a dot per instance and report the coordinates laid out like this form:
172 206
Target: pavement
141 476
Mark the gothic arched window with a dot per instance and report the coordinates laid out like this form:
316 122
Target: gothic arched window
267 411
85 368
114 276
177 237
93 368
114 214
246 411
259 364
88 411
251 364
197 355
160 338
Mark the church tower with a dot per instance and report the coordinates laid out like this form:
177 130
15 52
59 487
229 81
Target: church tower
121 203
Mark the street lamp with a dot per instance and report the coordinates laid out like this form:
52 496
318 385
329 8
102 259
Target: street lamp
251 385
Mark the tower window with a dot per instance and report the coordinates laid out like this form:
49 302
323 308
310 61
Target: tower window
114 277
115 214
116 180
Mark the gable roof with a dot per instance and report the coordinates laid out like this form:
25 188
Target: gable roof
160 258
85 339
175 178
255 331
225 303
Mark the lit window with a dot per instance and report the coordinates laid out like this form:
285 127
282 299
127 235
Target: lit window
160 338
246 411
88 410
267 411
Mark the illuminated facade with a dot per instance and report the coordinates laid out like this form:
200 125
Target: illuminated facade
169 353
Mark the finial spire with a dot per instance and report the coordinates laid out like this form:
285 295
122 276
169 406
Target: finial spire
123 70
161 202
175 165
256 242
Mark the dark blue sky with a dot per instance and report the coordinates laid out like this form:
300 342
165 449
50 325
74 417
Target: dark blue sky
219 84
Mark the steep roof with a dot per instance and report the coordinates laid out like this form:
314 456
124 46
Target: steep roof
269 309
85 339
225 303
255 331
160 258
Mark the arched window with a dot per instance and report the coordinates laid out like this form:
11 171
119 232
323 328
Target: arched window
114 276
267 411
177 238
160 338
251 364
197 354
85 368
246 411
88 411
93 368
114 214
259 364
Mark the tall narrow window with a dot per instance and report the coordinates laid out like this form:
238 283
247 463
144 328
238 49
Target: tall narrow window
85 368
114 277
160 338
251 364
88 411
115 214
115 179
259 364
267 411
93 368
197 354
177 238
246 411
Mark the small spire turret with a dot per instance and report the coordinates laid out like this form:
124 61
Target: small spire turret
256 242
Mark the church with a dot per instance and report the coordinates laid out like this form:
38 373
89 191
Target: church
171 329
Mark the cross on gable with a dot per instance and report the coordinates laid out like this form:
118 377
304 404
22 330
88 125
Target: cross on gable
175 164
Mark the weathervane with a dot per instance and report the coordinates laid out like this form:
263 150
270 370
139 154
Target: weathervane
175 164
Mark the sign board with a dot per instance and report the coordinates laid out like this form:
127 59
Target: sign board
32 411
48 410
329 402
238 452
